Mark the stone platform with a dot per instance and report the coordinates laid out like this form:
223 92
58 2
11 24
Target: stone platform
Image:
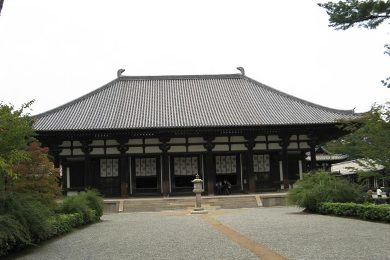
115 205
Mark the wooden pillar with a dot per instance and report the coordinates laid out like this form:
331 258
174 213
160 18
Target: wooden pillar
313 160
164 147
249 163
284 144
122 168
209 165
87 149
55 151
65 172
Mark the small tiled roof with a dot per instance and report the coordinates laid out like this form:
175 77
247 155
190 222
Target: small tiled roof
328 157
324 155
184 102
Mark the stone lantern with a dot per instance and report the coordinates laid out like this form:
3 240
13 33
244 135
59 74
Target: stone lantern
198 189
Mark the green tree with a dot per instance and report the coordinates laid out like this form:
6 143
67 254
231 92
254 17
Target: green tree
15 133
37 176
369 137
319 187
368 14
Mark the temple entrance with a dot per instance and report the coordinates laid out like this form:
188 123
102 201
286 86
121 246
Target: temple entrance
183 171
75 179
227 171
144 175
264 170
109 183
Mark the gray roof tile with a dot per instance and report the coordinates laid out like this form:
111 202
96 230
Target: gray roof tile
184 101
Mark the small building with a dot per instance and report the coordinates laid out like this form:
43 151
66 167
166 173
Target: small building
350 169
324 158
149 135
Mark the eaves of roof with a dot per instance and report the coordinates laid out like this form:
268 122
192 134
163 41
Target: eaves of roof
188 101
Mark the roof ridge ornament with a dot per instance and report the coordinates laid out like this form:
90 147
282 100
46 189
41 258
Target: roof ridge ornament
119 72
242 70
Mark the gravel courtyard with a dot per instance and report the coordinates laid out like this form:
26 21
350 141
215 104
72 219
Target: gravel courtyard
177 235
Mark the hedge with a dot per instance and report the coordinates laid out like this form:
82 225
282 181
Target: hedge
362 211
64 223
27 222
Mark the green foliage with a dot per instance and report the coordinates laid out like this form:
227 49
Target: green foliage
86 204
94 201
64 223
345 14
371 140
362 211
319 187
37 175
15 133
30 213
368 14
377 201
13 235
25 220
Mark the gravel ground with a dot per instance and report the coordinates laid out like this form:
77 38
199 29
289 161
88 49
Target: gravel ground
297 235
175 235
142 236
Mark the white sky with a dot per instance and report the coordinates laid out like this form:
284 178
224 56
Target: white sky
56 51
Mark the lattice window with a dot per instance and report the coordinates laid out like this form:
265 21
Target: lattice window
185 166
226 164
261 163
145 167
109 167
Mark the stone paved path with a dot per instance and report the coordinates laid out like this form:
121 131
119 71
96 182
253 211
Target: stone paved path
283 232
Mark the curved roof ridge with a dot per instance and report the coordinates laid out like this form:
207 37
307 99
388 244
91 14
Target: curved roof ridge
195 76
75 100
340 111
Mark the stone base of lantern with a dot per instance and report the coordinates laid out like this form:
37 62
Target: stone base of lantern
199 211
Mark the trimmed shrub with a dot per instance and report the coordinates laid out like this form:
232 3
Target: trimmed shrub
362 211
318 187
94 201
64 223
31 213
377 201
13 235
88 204
77 204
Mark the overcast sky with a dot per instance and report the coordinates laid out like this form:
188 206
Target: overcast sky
56 51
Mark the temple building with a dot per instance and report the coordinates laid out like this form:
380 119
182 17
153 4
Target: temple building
150 135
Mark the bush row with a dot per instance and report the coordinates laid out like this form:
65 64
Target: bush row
26 221
319 187
377 201
362 211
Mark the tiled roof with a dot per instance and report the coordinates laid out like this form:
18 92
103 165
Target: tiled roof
328 157
184 102
324 155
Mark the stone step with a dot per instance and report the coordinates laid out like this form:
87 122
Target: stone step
147 205
180 203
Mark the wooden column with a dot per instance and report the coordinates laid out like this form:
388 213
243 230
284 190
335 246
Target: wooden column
249 163
164 147
64 176
284 144
55 151
209 165
87 149
313 160
122 168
